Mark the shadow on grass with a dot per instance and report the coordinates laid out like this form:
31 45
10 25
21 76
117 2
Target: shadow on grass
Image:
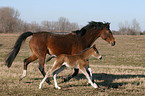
36 78
109 78
106 79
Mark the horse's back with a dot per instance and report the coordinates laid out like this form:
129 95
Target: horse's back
56 43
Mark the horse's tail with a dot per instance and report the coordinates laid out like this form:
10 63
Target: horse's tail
16 48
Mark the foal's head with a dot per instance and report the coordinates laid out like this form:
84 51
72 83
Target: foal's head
96 53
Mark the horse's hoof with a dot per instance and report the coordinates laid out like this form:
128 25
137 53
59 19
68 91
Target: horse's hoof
95 85
21 77
58 87
66 79
47 80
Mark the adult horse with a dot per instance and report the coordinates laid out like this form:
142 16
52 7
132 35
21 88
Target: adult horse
43 43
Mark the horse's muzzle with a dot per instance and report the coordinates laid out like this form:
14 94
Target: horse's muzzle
100 57
113 43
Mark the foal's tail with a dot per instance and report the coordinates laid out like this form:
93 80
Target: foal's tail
16 48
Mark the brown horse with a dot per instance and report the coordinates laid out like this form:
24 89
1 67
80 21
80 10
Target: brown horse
43 43
78 61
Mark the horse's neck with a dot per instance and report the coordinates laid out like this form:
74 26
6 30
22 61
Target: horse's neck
86 54
90 37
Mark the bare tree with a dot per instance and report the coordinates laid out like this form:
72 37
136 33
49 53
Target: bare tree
10 23
34 26
50 26
135 26
8 19
62 25
126 29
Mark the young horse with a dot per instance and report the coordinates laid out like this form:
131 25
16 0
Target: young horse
43 43
78 61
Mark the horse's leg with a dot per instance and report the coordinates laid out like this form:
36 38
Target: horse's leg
26 62
55 70
89 71
84 71
41 67
44 79
76 71
55 74
51 56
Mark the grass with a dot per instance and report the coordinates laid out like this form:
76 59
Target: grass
120 72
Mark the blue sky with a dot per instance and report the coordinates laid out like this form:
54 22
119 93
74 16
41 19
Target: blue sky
80 11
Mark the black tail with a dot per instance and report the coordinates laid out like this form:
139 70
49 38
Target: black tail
16 48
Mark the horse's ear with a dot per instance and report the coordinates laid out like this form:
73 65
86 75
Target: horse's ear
108 24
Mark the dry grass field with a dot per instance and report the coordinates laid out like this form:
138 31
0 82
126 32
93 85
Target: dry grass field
121 72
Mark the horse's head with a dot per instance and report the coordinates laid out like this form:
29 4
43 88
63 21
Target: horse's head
96 53
93 29
107 34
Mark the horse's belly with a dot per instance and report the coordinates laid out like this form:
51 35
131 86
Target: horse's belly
71 65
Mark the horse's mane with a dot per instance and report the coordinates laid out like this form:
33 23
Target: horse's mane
92 24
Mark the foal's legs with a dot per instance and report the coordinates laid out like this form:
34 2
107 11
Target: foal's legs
76 71
55 70
41 67
84 71
89 71
26 62
51 56
55 73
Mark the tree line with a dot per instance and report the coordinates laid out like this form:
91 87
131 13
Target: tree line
127 28
10 22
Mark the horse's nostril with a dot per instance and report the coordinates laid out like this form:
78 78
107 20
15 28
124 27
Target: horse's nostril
100 58
113 43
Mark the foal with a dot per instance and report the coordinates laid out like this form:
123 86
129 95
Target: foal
78 61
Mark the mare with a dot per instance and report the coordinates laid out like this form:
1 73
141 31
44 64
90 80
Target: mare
78 61
43 43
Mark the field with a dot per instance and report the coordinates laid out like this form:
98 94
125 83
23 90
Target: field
121 72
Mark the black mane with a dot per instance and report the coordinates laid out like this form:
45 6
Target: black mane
92 24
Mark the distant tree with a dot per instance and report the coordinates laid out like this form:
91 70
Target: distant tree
126 29
10 23
65 25
35 26
143 33
49 26
8 19
62 25
115 32
135 27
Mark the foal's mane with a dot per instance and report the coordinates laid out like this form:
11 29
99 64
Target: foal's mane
94 47
92 24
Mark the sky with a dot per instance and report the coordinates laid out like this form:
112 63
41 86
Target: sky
80 11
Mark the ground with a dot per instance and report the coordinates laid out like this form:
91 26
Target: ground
120 72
